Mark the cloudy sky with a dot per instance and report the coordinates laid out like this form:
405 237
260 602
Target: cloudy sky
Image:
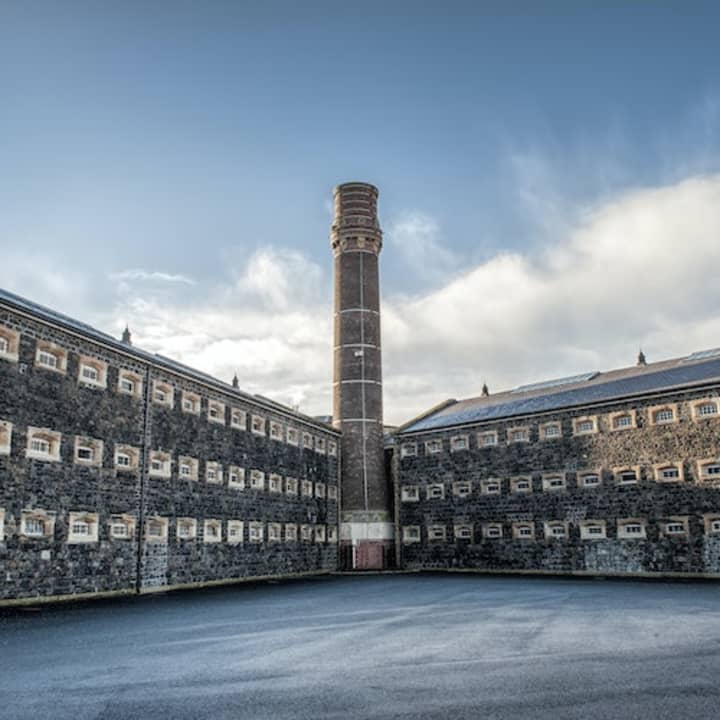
549 182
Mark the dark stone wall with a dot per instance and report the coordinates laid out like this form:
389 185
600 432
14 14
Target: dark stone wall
31 396
686 441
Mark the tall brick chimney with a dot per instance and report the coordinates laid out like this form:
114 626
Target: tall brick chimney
366 529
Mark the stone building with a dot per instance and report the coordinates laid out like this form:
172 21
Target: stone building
126 472
609 473
122 471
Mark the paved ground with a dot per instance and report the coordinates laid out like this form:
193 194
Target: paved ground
436 647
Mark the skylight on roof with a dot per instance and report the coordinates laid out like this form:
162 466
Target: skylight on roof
703 354
556 383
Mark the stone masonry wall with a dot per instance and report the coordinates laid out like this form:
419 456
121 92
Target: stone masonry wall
32 396
653 503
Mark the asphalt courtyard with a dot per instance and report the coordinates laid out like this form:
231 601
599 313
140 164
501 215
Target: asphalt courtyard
407 646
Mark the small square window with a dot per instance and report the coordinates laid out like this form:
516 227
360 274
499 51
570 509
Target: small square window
256 532
490 486
589 480
291 486
408 450
276 431
550 431
275 483
274 532
293 436
163 393
190 403
459 442
188 468
236 477
553 482
130 383
492 531
9 344
43 444
585 425
258 425
88 451
160 464
290 532
487 439
307 488
332 492
82 527
332 448
411 534
212 531
519 435
156 529
663 415
186 528
234 532
436 491
126 458
319 490
122 527
320 446
436 533
463 532
50 357
522 484
462 489
257 480
307 441
410 493
238 419
592 530
216 412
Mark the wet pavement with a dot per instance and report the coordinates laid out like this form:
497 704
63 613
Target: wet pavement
406 646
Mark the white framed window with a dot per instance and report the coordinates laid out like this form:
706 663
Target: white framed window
624 420
291 486
408 449
290 532
43 444
518 435
50 357
129 383
37 524
306 489
320 490
704 409
238 419
492 531
712 523
190 403
435 491
88 451
462 488
436 533
319 533
410 493
552 482
235 532
213 472
675 527
463 531
459 443
306 533
92 372
274 532
127 458
709 470
257 479
490 486
276 431
669 472
160 464
555 530
593 530
257 425
236 477
586 425
523 531
550 430
216 412
188 468
212 531
631 529
488 438
121 527
163 393
590 479
275 483
156 529
186 528
293 436
626 475
320 446
433 447
332 492
410 534
307 441
663 414
256 532
332 448
9 344
5 437
521 484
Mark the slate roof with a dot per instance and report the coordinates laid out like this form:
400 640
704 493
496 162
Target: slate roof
28 306
697 369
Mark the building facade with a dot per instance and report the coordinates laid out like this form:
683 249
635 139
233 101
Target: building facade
124 472
611 473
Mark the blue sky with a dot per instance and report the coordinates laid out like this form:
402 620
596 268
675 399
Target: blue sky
160 160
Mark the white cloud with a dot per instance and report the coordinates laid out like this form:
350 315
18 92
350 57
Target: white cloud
417 238
151 276
640 270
